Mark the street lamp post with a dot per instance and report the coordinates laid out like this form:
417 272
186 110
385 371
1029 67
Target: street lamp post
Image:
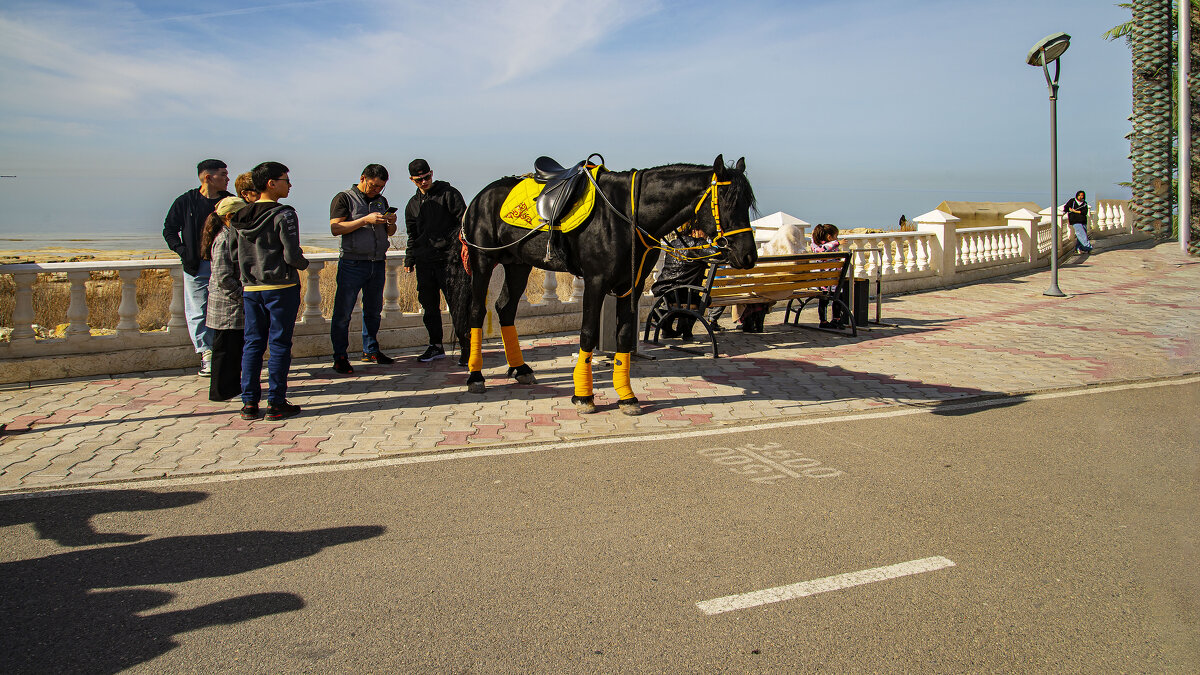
1045 52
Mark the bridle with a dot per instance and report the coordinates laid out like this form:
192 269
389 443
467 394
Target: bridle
720 242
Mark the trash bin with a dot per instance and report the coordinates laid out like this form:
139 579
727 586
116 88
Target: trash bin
862 300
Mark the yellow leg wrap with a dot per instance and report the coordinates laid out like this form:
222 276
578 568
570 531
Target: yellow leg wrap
475 361
512 348
621 376
583 374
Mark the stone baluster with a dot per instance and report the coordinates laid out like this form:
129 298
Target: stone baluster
23 307
312 293
127 311
391 288
77 311
550 288
577 290
177 321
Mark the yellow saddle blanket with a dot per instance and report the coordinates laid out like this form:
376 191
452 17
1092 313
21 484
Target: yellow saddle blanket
520 207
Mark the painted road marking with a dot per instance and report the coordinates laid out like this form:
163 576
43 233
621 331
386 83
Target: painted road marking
731 603
767 463
327 466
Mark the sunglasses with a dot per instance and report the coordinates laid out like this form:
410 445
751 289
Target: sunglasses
423 178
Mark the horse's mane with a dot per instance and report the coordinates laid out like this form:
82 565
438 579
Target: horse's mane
738 181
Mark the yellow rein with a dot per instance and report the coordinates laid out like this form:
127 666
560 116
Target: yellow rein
711 195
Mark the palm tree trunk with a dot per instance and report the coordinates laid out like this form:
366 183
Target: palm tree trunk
1194 90
1150 142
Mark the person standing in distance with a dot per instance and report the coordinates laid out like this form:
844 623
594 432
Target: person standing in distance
269 263
361 217
181 229
433 219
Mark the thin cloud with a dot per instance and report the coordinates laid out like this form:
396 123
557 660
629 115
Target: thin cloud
235 12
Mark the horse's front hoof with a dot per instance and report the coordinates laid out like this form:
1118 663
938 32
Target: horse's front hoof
475 383
522 374
584 404
629 406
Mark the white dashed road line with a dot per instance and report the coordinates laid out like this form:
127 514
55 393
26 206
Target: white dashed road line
731 603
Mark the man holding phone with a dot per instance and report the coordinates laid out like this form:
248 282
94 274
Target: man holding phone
362 218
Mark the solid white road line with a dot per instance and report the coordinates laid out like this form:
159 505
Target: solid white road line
837 582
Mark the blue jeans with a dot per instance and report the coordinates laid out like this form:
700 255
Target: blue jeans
1081 234
270 320
353 276
195 306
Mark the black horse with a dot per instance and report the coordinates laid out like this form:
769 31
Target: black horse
614 250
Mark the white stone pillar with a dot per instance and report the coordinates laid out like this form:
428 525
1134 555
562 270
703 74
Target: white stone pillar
77 311
391 289
312 293
23 307
944 228
550 287
1028 222
127 311
177 321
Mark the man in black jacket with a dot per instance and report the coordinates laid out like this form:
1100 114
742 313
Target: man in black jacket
433 220
181 229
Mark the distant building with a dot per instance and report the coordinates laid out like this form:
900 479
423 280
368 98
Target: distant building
984 214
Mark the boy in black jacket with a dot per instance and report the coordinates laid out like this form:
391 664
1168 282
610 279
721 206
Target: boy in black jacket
269 260
433 220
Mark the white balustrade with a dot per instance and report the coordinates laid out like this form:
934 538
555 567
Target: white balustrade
930 257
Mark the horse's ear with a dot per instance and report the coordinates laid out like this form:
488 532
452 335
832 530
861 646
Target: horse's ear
740 166
719 165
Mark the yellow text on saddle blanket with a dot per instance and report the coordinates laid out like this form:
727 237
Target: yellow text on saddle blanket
520 207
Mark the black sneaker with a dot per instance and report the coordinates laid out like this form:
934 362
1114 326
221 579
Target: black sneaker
342 365
250 411
432 353
378 357
463 360
281 409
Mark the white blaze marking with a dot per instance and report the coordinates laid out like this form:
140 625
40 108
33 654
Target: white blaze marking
837 582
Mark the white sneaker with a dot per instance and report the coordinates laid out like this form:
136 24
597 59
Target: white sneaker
206 362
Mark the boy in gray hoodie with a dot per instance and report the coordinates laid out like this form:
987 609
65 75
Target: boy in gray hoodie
269 261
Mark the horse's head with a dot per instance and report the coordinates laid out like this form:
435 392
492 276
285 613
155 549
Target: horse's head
724 214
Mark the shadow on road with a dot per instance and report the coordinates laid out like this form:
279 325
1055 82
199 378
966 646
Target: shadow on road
81 611
67 520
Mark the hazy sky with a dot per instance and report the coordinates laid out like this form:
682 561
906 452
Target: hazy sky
847 111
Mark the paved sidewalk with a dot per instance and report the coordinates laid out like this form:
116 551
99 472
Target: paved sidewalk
1131 315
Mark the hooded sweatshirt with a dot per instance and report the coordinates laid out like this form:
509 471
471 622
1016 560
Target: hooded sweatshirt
269 255
433 220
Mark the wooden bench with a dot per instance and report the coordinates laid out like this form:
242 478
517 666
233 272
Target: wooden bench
799 279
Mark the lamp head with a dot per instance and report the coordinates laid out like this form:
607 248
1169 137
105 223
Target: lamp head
1048 49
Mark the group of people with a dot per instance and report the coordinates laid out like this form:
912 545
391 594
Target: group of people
242 259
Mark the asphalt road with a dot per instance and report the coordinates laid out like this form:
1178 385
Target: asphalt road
1071 523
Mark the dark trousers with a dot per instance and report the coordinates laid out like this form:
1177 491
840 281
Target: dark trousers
226 379
354 276
270 320
431 285
822 303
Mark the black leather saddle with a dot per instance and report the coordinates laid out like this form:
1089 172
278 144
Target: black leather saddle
563 185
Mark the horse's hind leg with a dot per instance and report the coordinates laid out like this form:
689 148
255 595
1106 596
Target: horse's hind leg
516 277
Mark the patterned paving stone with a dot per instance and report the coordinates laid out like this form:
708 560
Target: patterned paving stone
1131 315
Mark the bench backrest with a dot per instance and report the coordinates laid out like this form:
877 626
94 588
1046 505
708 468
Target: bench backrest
777 278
